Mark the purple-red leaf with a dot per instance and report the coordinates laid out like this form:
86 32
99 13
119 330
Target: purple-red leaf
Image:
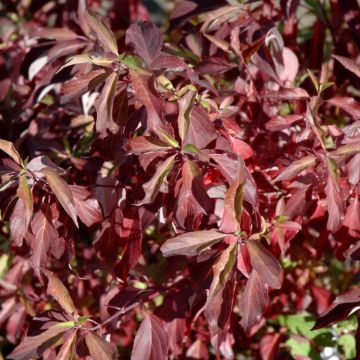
99 348
103 33
265 264
192 243
146 40
62 192
349 104
9 148
253 301
349 64
151 340
340 309
296 167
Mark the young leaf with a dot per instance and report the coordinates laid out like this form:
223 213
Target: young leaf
34 346
192 243
151 340
99 348
146 39
296 167
253 301
103 33
265 264
152 187
62 192
9 148
59 292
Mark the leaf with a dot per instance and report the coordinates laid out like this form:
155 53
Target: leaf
17 224
9 148
152 187
269 346
192 200
104 107
59 34
352 216
348 149
349 104
86 59
99 348
253 301
279 123
168 62
146 40
145 92
25 194
151 340
103 33
59 292
340 309
298 203
62 192
34 346
335 203
68 348
186 103
81 84
265 264
199 124
289 94
87 207
221 270
44 238
349 64
296 167
191 243
144 144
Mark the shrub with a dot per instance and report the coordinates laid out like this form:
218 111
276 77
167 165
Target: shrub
186 193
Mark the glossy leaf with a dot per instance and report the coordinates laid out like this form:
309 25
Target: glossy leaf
296 167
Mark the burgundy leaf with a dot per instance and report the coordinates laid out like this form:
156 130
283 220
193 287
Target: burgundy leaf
269 346
168 62
296 167
349 64
146 39
352 216
34 346
289 93
340 309
68 348
17 224
99 348
103 33
144 144
9 148
87 207
279 123
298 203
253 301
82 84
104 107
151 340
152 187
192 243
265 264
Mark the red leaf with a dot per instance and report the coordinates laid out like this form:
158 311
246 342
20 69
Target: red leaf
87 207
348 104
289 93
253 301
265 264
151 340
296 167
17 224
104 107
340 309
103 33
145 144
349 64
99 348
269 346
146 39
352 216
81 84
168 62
192 243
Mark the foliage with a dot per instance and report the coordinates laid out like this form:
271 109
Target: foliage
189 192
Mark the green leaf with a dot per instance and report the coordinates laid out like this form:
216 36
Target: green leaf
131 62
348 344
